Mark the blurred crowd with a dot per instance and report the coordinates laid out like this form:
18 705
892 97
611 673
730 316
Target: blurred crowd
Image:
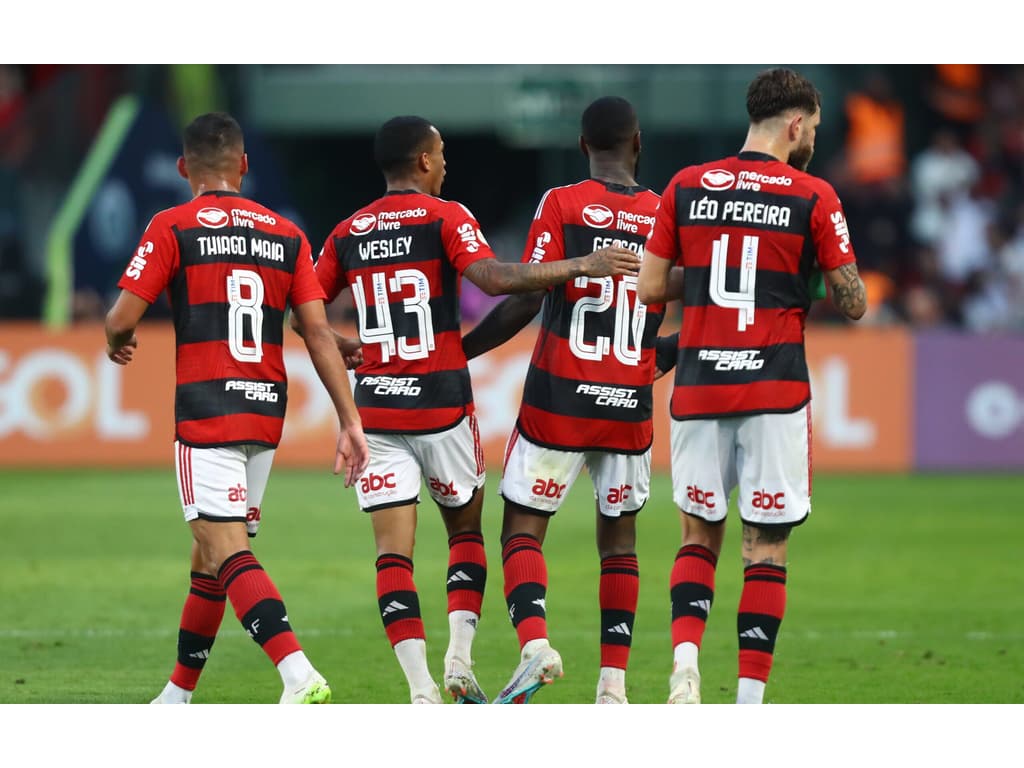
932 183
938 228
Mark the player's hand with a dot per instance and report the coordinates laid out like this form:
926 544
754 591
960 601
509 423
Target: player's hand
123 355
610 261
351 351
353 454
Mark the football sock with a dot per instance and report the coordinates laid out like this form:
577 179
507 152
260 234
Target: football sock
526 585
762 604
750 691
397 599
258 605
461 631
294 669
617 595
692 587
467 575
173 694
467 572
200 619
412 656
612 679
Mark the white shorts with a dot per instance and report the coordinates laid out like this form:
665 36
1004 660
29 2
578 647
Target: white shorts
224 484
450 462
539 478
767 455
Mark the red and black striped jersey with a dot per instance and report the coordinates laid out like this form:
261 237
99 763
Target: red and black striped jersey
748 231
231 267
403 257
590 380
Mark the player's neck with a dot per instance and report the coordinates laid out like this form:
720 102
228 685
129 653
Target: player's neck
613 172
204 184
766 145
407 183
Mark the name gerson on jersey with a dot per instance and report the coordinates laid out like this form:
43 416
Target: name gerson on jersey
403 257
230 267
590 379
748 231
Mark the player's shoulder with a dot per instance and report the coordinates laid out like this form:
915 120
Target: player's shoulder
563 196
261 214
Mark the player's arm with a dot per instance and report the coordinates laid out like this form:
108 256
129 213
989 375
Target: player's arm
496 278
847 290
502 323
659 281
353 454
666 352
351 349
121 322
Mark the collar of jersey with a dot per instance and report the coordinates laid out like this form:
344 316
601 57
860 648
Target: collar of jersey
221 193
758 156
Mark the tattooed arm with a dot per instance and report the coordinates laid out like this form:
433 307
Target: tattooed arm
848 295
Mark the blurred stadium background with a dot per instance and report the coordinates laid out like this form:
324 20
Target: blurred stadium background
928 160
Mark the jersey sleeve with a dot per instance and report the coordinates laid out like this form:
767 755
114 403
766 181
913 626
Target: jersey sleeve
328 270
663 240
305 285
829 230
464 243
545 240
155 262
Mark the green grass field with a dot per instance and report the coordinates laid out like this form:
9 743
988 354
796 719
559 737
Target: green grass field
902 589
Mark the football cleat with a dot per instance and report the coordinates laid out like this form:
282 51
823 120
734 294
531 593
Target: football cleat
532 673
684 686
427 696
461 683
608 696
314 691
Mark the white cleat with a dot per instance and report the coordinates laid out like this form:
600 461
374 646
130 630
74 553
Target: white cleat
608 696
461 683
428 696
684 686
313 691
161 699
532 673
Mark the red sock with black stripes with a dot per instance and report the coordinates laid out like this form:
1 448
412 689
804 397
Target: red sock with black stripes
467 577
258 605
617 595
526 586
692 587
398 600
399 605
200 619
762 605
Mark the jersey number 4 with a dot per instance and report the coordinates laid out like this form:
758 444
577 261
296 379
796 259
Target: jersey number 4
743 299
417 305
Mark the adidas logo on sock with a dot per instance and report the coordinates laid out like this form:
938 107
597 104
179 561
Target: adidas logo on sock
394 606
542 602
620 629
704 605
459 576
757 633
203 654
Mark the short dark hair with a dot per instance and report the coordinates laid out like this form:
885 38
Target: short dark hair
779 90
213 139
399 142
608 123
